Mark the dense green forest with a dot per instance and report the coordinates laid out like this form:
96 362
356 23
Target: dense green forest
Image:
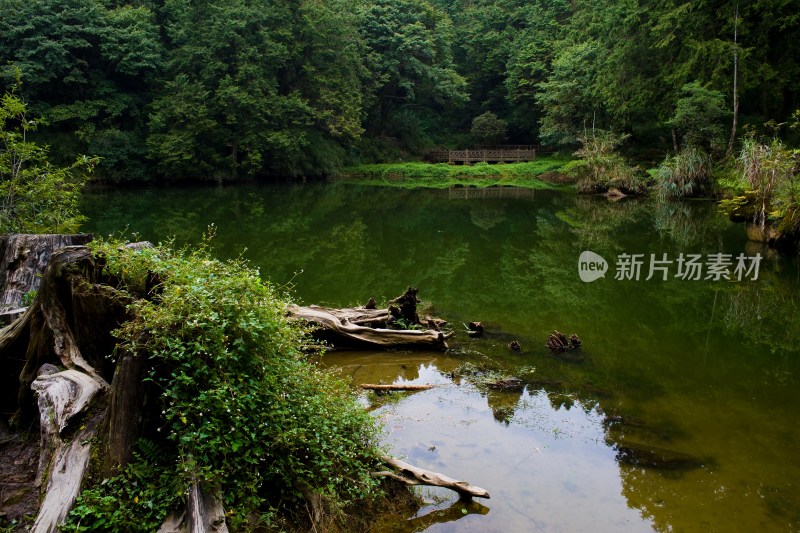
175 89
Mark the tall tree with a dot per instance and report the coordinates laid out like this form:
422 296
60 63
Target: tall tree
264 80
410 47
87 66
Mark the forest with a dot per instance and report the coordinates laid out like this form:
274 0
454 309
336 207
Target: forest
167 90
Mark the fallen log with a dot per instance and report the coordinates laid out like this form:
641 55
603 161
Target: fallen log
342 328
411 475
398 387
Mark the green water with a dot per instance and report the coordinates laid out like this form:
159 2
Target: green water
702 372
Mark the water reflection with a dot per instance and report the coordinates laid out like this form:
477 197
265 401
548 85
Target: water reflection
706 371
534 462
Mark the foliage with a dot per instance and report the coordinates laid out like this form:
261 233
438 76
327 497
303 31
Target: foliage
697 117
242 408
260 88
88 67
489 128
138 499
686 174
770 171
38 197
603 167
410 57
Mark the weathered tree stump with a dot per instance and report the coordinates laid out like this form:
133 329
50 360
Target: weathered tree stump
23 258
475 329
558 342
406 307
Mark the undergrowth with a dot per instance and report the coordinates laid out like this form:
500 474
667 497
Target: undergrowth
242 410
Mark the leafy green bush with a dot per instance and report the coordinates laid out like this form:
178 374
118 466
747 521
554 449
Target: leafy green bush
242 409
488 128
686 174
38 197
603 167
136 500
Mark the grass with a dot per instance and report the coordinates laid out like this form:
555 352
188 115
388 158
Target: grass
543 173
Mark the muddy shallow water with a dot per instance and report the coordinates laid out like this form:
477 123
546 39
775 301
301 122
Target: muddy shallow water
679 412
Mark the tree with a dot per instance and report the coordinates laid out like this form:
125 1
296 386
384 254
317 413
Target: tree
38 197
409 44
489 128
254 87
88 66
565 97
697 117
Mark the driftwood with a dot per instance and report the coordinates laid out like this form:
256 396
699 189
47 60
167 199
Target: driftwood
506 384
409 387
361 328
411 475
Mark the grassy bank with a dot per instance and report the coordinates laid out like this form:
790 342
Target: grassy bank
544 173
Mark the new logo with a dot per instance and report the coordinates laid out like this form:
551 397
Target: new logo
591 266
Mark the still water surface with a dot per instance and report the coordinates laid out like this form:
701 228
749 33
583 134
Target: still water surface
680 411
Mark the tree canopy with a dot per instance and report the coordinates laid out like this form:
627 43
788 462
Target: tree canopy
212 90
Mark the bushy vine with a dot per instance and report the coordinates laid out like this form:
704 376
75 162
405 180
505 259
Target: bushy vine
242 408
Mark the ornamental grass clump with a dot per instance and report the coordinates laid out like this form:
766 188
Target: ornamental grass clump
240 408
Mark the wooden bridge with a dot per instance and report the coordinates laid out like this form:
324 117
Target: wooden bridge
503 154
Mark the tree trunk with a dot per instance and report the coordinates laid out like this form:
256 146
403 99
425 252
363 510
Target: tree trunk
68 326
735 81
23 258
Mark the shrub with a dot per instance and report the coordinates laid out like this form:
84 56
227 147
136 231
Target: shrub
769 170
685 174
241 409
603 167
488 128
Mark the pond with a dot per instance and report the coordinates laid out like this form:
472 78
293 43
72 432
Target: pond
678 412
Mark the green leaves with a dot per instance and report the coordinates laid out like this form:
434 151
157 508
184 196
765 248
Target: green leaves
241 407
411 58
39 197
698 114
